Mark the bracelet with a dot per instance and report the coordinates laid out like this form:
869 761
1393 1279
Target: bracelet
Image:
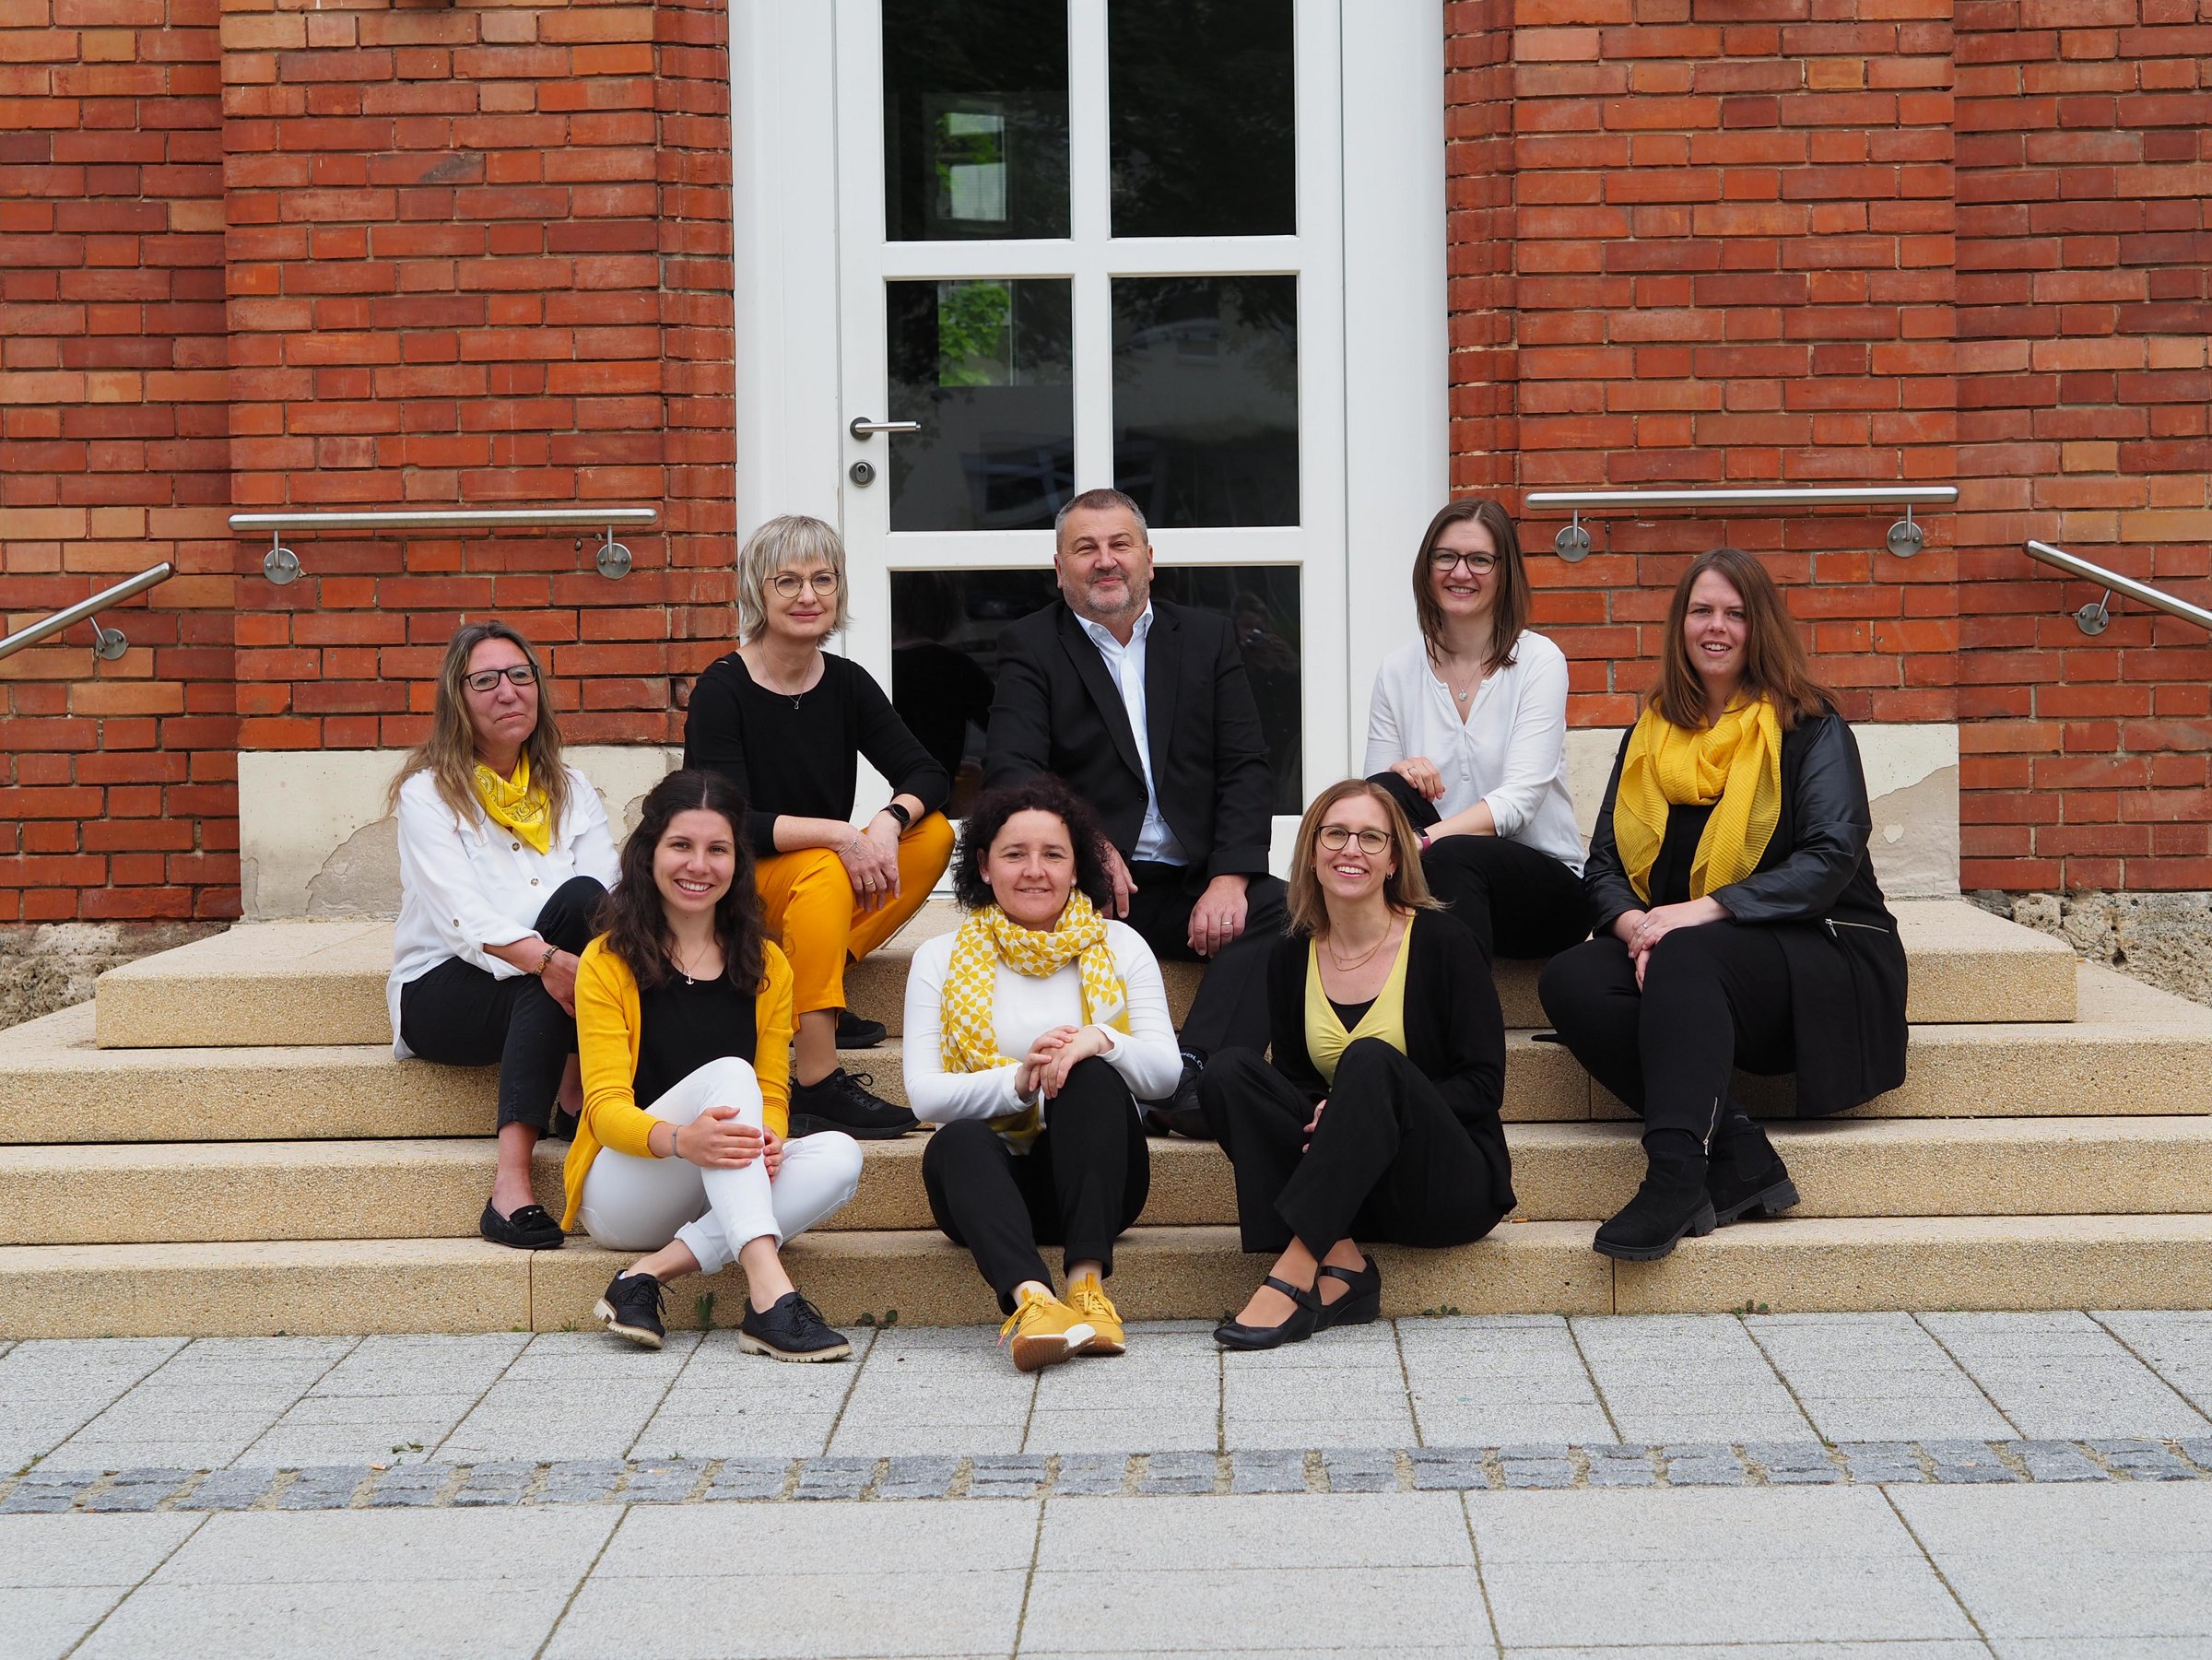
546 962
906 820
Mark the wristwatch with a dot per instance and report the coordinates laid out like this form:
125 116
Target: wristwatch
906 820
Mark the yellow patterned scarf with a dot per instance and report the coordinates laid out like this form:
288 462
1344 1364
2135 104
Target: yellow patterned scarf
1736 763
968 1041
513 803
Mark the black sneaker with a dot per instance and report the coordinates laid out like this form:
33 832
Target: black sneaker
632 1308
853 1031
1181 1113
793 1329
842 1101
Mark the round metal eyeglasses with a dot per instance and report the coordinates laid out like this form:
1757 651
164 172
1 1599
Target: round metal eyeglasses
1335 836
789 583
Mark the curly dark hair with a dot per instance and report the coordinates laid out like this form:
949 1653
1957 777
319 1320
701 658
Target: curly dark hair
631 916
1041 793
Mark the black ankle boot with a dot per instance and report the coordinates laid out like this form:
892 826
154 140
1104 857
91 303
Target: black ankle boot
1745 1176
1671 1203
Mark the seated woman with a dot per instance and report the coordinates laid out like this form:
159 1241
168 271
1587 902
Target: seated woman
685 1013
504 853
1467 728
1739 923
786 722
1031 1033
1377 1118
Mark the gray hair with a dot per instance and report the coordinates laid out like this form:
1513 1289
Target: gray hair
1097 502
785 541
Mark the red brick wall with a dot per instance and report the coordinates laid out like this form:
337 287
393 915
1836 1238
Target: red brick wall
1804 241
117 792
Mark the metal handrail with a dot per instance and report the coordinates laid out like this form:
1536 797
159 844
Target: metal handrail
2096 619
1905 537
281 565
107 643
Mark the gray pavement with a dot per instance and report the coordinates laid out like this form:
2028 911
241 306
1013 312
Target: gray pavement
1891 1485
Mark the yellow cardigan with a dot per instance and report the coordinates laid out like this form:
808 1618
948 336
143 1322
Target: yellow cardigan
608 1028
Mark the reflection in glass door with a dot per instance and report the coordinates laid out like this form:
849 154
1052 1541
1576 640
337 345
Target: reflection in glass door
1081 243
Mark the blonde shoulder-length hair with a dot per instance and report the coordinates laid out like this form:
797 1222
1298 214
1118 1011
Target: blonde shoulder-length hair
785 541
448 754
1406 888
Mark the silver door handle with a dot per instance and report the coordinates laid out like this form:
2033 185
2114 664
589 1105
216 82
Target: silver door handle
863 427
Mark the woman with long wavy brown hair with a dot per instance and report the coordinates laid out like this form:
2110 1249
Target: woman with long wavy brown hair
504 855
1739 922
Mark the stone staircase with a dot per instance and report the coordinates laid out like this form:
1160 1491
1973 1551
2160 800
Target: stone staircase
222 1143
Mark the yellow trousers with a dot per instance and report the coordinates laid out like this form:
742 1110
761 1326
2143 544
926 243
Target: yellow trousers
811 909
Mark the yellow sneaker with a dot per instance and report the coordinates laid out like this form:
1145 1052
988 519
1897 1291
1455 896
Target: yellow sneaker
1092 1306
1044 1331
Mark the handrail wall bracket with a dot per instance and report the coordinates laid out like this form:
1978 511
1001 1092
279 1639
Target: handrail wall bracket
282 566
1905 538
2096 618
108 645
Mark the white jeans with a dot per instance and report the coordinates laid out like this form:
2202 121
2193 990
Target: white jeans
630 1204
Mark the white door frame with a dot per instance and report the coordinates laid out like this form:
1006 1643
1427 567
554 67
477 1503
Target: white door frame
1373 379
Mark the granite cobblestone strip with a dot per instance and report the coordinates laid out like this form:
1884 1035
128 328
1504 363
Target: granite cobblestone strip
1071 1474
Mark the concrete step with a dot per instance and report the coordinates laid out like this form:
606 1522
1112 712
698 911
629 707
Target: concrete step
1162 1273
2134 1051
276 983
434 1189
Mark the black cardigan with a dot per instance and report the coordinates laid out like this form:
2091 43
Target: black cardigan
1815 886
800 756
1455 1032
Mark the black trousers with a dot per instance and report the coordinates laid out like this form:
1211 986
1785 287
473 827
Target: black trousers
1515 901
1715 997
1080 1186
1231 1004
460 1015
1389 1160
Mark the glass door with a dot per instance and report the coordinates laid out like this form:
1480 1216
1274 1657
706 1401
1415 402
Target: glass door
1082 243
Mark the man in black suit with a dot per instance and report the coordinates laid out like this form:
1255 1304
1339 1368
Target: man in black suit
1144 707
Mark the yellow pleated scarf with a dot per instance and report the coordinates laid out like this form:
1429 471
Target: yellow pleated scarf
513 803
969 1042
1736 763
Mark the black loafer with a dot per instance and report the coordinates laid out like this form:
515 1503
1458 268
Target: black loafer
853 1031
530 1227
1232 1334
1362 1300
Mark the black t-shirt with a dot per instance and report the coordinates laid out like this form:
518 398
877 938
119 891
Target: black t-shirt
685 1024
1349 1014
800 756
1669 881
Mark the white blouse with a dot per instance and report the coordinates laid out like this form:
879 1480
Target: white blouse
1022 1009
1511 751
465 886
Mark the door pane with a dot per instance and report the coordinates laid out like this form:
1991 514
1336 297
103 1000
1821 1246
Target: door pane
1206 398
986 368
974 119
1203 113
945 630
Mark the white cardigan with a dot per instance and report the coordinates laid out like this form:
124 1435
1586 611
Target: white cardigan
465 886
1511 751
1022 1009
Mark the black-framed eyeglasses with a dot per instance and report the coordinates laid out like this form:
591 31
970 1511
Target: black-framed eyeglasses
1335 836
484 680
789 583
1477 564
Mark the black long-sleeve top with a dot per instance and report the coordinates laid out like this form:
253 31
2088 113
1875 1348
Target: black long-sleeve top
799 755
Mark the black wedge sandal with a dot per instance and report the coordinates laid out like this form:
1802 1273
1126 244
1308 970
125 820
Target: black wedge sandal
1301 1324
1361 1302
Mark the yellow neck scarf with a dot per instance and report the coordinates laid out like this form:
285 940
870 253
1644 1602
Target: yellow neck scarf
969 1042
513 803
1736 763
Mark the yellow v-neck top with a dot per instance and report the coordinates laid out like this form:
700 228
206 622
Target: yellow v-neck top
1326 1039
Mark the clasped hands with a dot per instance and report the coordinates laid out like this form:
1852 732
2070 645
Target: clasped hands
716 1140
1640 930
1054 1055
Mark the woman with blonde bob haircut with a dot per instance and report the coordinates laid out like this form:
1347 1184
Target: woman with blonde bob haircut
1739 923
504 855
1377 1117
1468 730
787 722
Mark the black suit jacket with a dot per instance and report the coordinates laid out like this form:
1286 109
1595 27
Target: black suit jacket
1057 710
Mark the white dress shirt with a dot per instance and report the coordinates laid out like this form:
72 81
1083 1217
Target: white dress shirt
463 886
1511 751
1156 842
1023 1009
